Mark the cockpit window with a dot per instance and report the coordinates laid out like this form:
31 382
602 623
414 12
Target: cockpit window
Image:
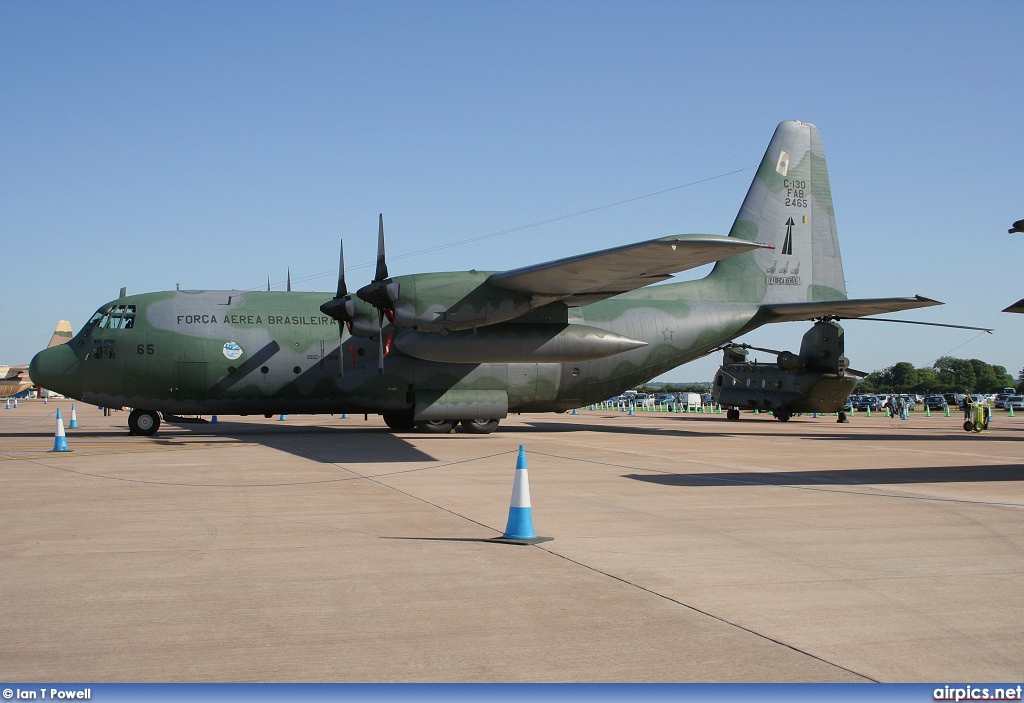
116 317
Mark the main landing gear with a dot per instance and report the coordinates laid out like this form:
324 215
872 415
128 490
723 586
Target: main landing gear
403 422
143 422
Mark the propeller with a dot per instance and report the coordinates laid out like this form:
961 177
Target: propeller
341 308
382 293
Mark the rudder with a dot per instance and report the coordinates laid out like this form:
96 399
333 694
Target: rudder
789 204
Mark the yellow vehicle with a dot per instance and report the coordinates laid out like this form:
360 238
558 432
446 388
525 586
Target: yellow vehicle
979 419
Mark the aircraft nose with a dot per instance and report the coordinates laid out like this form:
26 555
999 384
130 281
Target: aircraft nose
57 369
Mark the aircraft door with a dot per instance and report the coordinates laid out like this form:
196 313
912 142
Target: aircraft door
192 380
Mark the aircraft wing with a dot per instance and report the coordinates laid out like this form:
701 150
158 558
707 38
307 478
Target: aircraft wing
1016 307
13 373
794 312
584 279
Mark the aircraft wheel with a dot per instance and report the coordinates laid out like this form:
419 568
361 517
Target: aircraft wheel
480 426
435 426
783 415
733 414
143 422
399 421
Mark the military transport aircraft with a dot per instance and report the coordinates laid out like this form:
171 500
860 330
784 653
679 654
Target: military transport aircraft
431 350
14 379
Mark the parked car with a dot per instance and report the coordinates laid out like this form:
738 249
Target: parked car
935 402
1014 402
665 399
954 400
1000 401
866 402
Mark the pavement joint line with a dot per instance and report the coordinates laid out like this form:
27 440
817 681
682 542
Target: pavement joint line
704 613
355 477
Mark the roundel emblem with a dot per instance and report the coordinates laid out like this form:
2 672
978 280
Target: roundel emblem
232 351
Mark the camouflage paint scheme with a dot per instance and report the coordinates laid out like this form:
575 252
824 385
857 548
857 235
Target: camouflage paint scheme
519 341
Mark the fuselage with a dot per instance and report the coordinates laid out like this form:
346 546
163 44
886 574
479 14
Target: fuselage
233 352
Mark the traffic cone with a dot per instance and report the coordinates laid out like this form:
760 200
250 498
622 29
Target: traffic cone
631 410
8 404
574 411
947 411
46 399
282 418
73 425
60 441
213 419
869 411
344 416
519 529
15 403
1011 411
927 411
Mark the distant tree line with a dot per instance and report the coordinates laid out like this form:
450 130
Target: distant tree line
947 375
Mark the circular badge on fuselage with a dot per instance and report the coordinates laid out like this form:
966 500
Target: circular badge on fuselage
232 351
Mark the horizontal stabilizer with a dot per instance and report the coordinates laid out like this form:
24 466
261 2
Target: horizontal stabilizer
1016 307
843 309
587 278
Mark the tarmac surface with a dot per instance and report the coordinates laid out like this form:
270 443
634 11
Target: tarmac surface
685 547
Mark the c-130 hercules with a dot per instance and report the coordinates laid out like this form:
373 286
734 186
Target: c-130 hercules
428 351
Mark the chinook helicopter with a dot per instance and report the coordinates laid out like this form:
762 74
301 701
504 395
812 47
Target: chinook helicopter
429 351
818 379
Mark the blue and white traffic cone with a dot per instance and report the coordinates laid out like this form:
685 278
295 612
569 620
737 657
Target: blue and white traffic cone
344 416
282 418
60 441
15 403
519 529
574 411
213 419
73 425
46 399
8 404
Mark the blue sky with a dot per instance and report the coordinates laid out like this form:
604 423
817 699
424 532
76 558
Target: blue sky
212 144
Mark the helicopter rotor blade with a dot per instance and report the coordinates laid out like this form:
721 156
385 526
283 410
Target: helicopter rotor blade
917 322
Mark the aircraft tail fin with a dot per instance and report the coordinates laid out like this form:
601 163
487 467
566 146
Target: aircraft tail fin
789 205
61 334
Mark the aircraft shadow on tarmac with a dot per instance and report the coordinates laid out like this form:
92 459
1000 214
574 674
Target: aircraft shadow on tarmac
330 445
842 477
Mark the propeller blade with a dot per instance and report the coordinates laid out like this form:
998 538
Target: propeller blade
341 348
382 266
342 290
380 340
